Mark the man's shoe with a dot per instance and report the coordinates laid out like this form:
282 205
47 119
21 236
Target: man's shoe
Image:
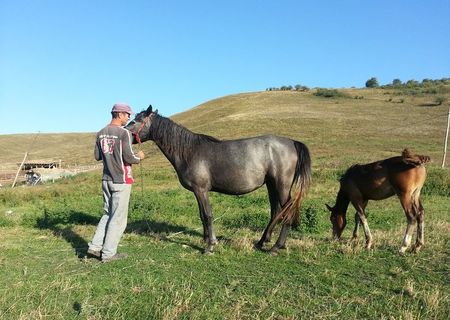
117 256
95 254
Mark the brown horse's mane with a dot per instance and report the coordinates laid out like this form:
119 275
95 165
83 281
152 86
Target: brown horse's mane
408 158
415 159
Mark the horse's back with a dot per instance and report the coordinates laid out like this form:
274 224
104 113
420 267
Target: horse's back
406 176
382 179
241 166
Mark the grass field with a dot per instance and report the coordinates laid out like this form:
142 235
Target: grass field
44 229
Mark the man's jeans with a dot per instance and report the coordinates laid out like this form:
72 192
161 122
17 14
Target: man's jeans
114 220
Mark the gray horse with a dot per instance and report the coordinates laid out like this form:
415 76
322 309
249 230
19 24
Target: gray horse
234 167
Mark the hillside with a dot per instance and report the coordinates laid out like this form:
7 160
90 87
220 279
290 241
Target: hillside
166 276
338 131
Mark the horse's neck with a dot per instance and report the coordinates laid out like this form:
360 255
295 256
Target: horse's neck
342 202
172 139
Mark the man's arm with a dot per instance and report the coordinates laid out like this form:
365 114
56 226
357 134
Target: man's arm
127 152
97 153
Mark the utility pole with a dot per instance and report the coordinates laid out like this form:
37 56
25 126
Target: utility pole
446 139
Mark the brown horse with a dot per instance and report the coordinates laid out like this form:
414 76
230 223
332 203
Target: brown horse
403 175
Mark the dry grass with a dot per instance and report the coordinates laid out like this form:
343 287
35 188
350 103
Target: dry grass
326 125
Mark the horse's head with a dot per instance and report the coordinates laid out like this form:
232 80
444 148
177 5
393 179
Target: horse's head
338 220
140 125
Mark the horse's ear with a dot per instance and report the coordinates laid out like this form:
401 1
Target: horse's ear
328 207
156 111
149 110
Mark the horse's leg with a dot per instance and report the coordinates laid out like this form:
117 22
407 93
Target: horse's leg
357 222
360 206
201 212
407 238
420 241
367 233
355 230
284 195
206 216
406 201
281 242
274 208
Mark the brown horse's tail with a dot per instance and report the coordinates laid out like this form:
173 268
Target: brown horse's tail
302 179
414 159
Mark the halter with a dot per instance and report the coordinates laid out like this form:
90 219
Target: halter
143 124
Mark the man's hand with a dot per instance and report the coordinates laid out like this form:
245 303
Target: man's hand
141 155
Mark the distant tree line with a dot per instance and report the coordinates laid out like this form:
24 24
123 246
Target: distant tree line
438 87
373 83
297 87
410 87
398 84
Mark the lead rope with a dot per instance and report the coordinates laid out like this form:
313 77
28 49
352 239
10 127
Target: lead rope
141 172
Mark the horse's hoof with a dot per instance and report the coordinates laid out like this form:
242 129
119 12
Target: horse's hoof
258 246
274 251
208 253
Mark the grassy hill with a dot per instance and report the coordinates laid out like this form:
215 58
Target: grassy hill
44 228
337 130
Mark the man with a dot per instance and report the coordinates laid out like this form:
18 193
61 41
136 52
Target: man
113 147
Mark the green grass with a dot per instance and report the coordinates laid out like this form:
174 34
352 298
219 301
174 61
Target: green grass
43 229
167 276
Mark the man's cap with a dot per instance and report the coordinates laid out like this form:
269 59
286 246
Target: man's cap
122 107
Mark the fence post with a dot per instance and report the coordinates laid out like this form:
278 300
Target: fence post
446 139
20 168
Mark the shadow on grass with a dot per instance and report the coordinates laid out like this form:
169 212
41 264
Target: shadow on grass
62 226
163 231
429 105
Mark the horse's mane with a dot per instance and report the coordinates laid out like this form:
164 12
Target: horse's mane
176 139
414 159
354 168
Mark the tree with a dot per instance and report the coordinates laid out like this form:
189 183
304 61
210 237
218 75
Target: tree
372 83
397 82
299 87
412 83
440 100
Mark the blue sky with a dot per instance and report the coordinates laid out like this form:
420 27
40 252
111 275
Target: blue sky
63 64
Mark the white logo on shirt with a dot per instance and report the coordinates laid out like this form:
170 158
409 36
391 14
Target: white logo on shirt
107 145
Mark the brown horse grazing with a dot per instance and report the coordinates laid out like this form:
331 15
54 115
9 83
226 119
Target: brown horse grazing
403 176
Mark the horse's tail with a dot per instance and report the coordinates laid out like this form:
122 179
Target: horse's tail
414 159
302 179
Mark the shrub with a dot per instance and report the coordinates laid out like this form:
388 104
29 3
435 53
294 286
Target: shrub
437 183
330 93
309 216
440 100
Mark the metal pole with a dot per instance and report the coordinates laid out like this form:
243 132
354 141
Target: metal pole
446 139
